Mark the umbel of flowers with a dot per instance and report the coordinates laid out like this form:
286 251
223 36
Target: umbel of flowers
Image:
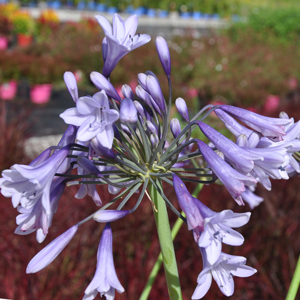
127 145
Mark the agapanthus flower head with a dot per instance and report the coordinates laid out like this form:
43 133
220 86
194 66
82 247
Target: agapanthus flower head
127 145
119 40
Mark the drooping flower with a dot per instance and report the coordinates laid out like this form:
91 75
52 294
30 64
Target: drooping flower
270 127
94 118
241 159
31 183
119 40
222 271
35 218
210 229
232 179
105 280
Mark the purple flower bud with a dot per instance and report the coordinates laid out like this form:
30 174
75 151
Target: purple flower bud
51 251
232 179
154 140
139 107
104 216
144 95
127 91
71 84
182 108
155 91
101 150
88 166
103 84
142 80
175 127
128 111
163 54
188 205
152 127
125 129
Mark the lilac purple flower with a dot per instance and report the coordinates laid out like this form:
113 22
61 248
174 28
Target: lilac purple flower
94 118
222 271
105 280
119 40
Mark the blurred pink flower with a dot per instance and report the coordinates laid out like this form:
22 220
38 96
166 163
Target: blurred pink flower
293 83
133 84
192 92
272 103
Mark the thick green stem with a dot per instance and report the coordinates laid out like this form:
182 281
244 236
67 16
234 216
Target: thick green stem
166 243
156 267
295 283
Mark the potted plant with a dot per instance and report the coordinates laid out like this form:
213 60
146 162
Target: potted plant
23 27
9 74
42 72
46 25
6 26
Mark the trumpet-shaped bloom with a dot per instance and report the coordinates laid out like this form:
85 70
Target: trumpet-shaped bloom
241 159
30 183
210 228
35 218
222 271
105 280
119 40
232 179
270 127
94 118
